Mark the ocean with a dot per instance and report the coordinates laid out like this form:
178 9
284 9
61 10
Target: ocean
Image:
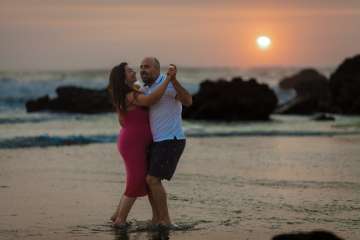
20 129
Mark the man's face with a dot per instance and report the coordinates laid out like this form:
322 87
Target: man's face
148 71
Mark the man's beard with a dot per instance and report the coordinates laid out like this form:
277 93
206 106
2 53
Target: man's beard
147 80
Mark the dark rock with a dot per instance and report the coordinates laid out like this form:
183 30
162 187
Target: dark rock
232 100
345 87
314 235
75 100
313 93
39 104
323 117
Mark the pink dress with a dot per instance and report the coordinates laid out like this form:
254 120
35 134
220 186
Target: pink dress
133 142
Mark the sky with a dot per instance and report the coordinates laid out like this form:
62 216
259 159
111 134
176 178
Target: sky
97 34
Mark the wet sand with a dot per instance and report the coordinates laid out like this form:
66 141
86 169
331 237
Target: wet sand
226 188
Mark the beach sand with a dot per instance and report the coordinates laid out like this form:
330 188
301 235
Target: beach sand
227 188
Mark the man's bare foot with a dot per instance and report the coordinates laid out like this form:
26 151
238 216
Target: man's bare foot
171 226
164 222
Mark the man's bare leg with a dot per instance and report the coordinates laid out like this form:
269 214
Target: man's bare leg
155 211
160 198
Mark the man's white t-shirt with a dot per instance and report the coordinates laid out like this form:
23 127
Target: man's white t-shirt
165 115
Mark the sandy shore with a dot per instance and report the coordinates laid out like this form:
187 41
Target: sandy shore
228 188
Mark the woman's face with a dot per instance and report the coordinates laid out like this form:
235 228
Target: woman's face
130 76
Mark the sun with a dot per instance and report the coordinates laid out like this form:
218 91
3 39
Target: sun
263 42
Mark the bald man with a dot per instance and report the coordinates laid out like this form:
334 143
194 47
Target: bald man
168 135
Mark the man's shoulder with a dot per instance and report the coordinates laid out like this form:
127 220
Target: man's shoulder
160 80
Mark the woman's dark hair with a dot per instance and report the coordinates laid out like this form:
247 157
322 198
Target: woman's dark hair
118 88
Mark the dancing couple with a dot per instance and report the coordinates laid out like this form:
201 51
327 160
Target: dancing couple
151 139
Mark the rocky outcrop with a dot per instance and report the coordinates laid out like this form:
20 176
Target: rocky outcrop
345 87
232 100
73 99
236 99
312 90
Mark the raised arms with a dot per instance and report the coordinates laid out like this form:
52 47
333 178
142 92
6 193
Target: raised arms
141 99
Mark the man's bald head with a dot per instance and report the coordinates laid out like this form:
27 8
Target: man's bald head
149 69
155 62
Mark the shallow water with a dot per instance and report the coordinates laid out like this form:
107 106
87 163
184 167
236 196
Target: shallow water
249 186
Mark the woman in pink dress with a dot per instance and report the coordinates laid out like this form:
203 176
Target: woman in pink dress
135 135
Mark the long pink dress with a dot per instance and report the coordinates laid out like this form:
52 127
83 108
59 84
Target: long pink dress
133 141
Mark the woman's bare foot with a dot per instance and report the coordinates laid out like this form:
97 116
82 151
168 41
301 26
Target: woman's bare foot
114 216
118 224
119 221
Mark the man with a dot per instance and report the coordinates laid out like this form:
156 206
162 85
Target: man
168 135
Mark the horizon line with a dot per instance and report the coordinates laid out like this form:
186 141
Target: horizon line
94 69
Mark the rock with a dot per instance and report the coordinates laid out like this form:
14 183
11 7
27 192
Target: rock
314 235
345 87
312 90
323 117
37 104
75 100
232 100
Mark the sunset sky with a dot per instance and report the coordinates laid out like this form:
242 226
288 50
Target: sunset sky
95 34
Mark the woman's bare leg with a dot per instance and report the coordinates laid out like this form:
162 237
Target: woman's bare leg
124 208
115 214
113 217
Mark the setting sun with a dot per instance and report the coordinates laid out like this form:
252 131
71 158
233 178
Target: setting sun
263 42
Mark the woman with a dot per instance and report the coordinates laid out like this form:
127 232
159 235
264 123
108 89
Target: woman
135 135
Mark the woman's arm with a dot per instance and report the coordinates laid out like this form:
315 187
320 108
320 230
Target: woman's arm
141 99
120 117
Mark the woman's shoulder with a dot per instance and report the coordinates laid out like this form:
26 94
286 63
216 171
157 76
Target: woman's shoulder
131 96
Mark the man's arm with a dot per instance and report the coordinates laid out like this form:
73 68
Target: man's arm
181 93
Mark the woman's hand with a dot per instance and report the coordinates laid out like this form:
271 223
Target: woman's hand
171 72
181 93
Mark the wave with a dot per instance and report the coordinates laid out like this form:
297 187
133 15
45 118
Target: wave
56 141
53 141
18 120
274 134
18 91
